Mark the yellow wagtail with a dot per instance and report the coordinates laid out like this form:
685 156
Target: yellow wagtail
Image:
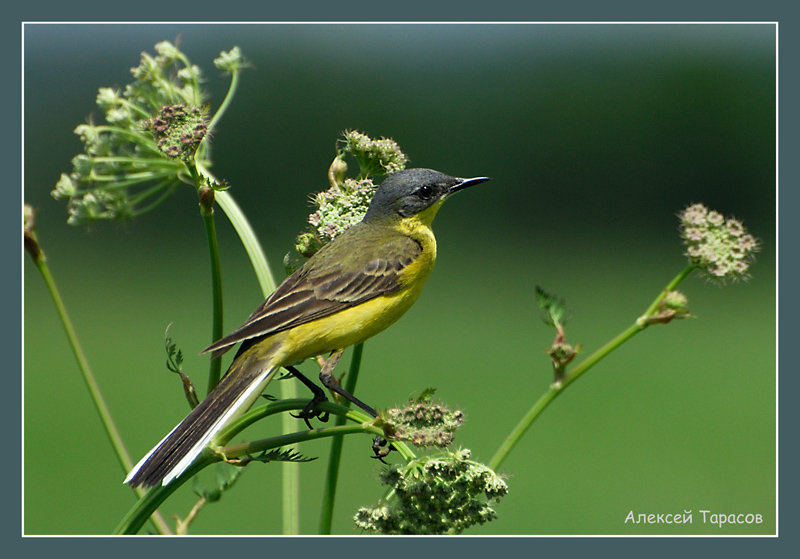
353 288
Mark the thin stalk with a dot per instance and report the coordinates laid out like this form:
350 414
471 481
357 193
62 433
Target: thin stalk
291 471
225 102
122 185
215 366
335 457
557 388
139 162
168 190
91 383
206 196
290 490
134 178
133 135
167 185
283 406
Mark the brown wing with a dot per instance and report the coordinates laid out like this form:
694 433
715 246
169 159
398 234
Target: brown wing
359 266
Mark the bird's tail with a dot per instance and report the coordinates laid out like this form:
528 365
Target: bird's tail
237 391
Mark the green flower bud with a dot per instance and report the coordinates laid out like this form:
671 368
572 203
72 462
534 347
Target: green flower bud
65 188
307 244
336 171
675 301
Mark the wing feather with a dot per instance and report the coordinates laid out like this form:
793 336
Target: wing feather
338 277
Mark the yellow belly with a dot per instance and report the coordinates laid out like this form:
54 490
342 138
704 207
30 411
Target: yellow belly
347 327
342 329
356 324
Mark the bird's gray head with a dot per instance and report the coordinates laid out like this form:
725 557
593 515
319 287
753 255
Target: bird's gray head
414 191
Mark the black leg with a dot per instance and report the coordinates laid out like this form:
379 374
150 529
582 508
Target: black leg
329 381
380 448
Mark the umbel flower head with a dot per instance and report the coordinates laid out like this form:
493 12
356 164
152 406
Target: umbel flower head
375 157
340 207
722 248
346 201
435 495
423 422
133 161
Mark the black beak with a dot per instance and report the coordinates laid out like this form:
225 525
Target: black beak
464 183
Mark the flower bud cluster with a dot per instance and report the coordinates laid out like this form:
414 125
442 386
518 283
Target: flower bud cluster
179 130
424 423
435 495
340 207
375 157
347 200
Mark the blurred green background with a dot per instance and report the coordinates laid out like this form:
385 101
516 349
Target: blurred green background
595 136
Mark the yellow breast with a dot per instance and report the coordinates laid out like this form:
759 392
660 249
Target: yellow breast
358 323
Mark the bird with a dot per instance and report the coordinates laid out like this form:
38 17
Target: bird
351 289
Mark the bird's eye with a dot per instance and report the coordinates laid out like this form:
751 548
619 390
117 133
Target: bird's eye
425 192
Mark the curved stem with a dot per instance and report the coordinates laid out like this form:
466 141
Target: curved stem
556 388
227 101
133 521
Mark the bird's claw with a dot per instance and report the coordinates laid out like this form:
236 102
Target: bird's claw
310 412
381 448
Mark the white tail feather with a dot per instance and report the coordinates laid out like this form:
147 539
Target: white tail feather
241 404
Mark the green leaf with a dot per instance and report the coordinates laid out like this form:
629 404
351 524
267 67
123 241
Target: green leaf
554 310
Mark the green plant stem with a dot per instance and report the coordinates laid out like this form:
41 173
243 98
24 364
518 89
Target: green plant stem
136 517
557 388
91 384
283 406
335 456
215 366
225 102
290 470
207 211
246 234
290 490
